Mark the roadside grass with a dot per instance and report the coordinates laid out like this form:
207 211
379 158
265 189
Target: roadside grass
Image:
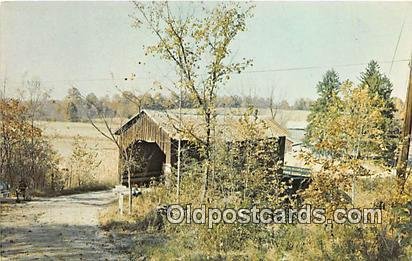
156 239
71 191
144 215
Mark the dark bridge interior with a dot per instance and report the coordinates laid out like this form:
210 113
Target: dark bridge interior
146 163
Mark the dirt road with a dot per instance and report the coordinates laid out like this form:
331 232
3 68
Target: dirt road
60 228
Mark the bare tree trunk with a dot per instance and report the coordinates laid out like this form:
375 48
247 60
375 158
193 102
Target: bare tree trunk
32 149
179 145
205 182
52 181
353 190
121 147
127 158
129 182
70 178
207 156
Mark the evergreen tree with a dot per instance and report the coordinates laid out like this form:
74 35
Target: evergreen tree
93 105
74 95
327 90
379 86
75 106
72 112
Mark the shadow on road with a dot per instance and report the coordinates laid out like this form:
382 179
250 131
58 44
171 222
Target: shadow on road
55 241
61 228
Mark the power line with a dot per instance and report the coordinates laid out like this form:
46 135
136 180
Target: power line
89 80
248 72
397 44
320 67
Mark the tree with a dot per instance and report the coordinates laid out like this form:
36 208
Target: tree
74 95
250 163
320 112
72 112
24 148
200 48
327 89
379 85
283 105
302 104
107 131
74 105
91 98
349 149
364 110
34 97
82 165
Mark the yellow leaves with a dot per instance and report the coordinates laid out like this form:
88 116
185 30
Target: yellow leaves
349 135
197 44
15 124
350 126
199 33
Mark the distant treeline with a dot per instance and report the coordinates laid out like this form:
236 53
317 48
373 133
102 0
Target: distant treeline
78 107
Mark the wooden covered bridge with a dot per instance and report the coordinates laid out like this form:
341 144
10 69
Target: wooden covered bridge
152 137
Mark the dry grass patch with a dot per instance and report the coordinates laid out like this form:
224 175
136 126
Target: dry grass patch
62 135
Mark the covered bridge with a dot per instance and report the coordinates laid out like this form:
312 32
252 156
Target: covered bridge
152 137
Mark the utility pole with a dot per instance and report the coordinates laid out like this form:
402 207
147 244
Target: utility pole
401 167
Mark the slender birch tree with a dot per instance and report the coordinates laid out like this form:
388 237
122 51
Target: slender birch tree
199 46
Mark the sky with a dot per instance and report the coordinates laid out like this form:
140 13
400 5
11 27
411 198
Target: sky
92 46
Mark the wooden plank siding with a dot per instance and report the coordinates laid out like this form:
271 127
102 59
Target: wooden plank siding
144 128
148 130
153 131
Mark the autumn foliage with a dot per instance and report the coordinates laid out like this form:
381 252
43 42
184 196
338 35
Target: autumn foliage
25 155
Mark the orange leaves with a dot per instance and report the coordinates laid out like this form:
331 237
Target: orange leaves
15 126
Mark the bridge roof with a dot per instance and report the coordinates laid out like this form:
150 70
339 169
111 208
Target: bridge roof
228 124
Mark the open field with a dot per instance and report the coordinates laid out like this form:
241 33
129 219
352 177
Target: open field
62 134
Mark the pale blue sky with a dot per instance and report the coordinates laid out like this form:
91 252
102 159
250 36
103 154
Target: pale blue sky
82 43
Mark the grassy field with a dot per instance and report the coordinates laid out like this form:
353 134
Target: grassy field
62 134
